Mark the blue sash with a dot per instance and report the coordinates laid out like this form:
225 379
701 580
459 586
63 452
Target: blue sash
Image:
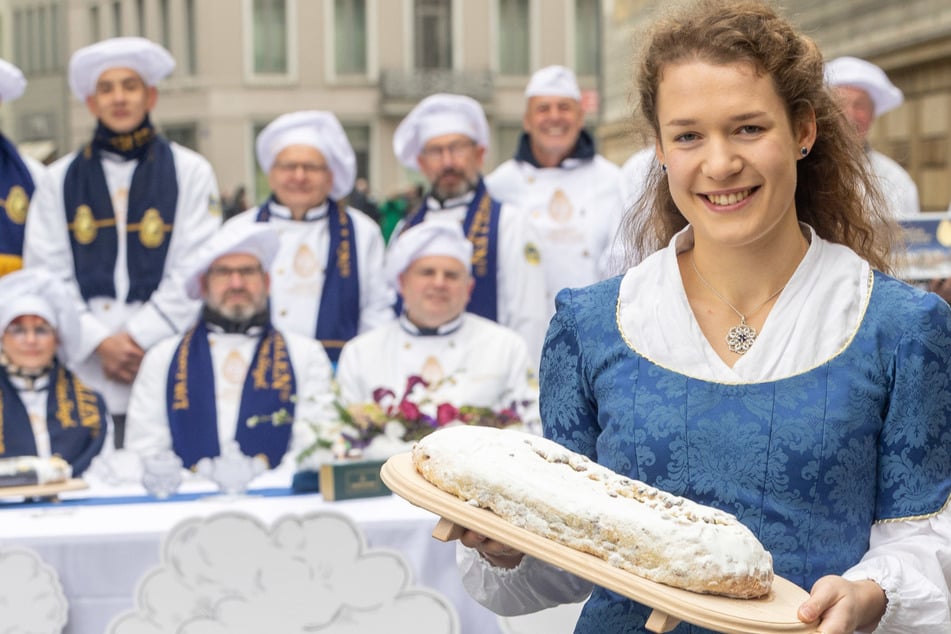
481 226
268 394
338 316
16 189
75 417
153 197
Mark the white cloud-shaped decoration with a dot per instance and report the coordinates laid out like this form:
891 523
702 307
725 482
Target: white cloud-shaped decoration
228 574
31 597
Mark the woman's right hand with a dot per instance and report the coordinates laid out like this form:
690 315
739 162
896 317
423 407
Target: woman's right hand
496 553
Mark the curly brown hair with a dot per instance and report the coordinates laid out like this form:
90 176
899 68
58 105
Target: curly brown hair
836 193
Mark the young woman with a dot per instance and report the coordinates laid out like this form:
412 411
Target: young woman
45 409
761 361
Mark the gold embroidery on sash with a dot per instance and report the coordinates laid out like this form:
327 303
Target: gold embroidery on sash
85 226
180 389
343 249
16 204
151 229
479 237
264 364
3 447
281 375
64 406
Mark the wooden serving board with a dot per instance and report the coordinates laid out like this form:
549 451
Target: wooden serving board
51 489
775 612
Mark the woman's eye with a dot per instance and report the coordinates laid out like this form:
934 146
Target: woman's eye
686 137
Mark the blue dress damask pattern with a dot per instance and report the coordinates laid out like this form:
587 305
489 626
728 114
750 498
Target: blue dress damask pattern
808 462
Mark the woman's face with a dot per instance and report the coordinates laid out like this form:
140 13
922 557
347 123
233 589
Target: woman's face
29 342
730 151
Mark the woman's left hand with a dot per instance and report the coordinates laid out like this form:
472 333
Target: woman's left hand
840 606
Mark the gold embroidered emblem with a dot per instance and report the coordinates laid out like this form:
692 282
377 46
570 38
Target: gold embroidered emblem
432 371
532 254
234 368
151 229
560 208
84 225
16 204
305 261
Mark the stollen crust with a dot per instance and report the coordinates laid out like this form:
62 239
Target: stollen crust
28 470
541 486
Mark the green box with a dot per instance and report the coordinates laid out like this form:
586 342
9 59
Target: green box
352 479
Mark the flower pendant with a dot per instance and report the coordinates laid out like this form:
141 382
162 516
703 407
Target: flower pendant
740 338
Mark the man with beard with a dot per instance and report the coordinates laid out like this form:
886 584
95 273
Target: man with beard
121 217
327 280
445 137
569 193
232 375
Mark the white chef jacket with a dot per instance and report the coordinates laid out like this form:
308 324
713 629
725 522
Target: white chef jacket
520 285
896 184
297 273
147 429
488 365
575 209
169 310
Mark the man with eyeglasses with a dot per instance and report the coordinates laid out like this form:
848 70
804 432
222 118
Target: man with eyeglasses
327 280
571 194
445 137
233 374
122 216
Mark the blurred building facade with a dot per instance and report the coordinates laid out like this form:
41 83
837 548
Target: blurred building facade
241 63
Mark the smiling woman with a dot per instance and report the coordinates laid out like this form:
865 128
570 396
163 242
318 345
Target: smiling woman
45 410
763 322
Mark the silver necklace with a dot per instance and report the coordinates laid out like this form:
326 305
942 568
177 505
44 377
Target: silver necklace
740 338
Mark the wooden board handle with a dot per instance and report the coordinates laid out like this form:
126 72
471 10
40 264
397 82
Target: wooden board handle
447 531
660 622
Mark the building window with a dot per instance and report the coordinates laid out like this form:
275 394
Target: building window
433 33
140 17
270 37
117 18
359 137
19 42
587 16
513 37
56 52
350 37
182 133
165 17
95 33
191 35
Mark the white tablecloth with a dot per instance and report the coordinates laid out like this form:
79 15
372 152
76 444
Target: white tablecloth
102 551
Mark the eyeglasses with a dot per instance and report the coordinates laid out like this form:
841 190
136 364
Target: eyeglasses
290 167
21 332
225 272
456 149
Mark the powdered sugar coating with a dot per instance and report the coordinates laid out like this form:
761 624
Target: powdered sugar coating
543 487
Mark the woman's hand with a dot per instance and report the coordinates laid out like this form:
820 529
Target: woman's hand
496 553
840 606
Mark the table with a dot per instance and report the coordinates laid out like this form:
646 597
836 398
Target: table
103 547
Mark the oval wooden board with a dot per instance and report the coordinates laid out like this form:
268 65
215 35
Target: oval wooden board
43 490
775 612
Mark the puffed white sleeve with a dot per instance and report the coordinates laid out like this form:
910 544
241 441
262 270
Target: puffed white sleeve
911 561
197 216
146 426
531 586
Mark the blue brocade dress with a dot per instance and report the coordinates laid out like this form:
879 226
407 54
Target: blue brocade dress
808 462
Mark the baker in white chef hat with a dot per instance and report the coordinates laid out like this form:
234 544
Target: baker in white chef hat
436 237
36 292
553 81
436 116
306 140
149 60
858 74
257 239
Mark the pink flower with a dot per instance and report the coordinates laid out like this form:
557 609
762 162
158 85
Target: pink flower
446 413
409 410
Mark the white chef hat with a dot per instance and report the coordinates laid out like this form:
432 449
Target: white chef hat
553 81
430 237
855 72
437 115
259 239
37 292
318 129
12 82
152 62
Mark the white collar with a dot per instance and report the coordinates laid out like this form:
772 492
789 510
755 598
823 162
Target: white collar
446 329
314 213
